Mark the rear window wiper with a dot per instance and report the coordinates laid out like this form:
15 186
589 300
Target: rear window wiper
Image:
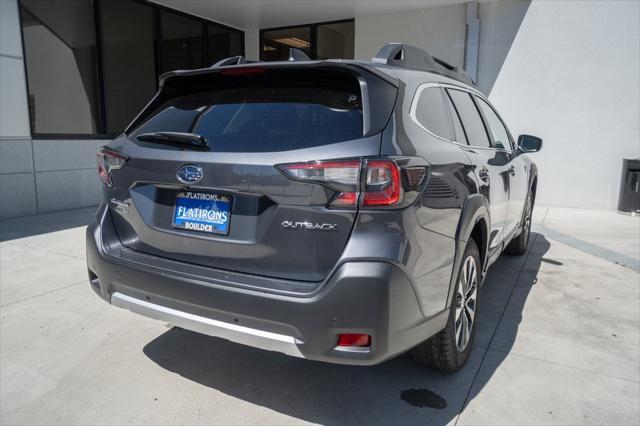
192 140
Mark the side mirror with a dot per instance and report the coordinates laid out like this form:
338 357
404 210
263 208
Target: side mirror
528 143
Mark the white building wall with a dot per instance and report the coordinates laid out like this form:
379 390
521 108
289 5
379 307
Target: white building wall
440 30
565 70
572 77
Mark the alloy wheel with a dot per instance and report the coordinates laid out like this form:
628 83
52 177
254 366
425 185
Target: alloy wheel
466 299
527 220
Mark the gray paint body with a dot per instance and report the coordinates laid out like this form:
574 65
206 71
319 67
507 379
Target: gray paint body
387 272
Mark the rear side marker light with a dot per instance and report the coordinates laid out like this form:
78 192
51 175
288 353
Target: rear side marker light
109 160
354 340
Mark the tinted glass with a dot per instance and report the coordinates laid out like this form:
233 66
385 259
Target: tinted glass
431 112
128 60
276 43
182 46
222 43
61 59
500 134
263 119
335 41
476 133
455 118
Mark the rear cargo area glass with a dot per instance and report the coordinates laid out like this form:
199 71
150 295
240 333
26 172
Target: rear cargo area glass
268 112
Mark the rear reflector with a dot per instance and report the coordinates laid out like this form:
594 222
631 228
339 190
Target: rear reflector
354 340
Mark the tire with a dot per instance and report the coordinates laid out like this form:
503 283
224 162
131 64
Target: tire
448 350
518 246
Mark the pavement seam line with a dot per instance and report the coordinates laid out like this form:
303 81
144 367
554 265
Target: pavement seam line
493 335
564 365
43 250
545 216
42 294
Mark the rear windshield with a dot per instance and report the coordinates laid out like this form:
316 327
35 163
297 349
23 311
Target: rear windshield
266 115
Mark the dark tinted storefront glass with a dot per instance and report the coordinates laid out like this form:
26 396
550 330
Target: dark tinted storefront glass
128 60
182 46
222 43
61 58
276 43
336 41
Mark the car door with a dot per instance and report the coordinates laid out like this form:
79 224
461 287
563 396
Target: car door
518 176
491 165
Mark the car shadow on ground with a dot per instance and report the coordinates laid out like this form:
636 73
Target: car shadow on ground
29 226
395 392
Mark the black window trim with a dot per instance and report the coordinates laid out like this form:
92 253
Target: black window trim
313 34
473 93
97 9
484 118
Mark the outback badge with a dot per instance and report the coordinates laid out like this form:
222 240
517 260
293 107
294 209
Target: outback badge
308 226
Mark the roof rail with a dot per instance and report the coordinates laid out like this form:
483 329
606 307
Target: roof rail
234 60
298 55
408 56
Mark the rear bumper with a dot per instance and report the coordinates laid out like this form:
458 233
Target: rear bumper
374 298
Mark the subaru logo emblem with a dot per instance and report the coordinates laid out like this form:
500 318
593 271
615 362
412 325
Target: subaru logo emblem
190 173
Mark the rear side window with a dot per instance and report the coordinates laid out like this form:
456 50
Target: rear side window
265 116
432 114
471 120
459 136
499 131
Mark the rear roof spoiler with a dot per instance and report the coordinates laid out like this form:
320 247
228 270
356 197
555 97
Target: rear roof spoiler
411 57
379 89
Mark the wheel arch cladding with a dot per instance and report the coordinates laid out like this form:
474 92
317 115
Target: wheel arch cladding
474 223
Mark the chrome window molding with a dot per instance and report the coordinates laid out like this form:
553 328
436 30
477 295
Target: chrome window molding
414 107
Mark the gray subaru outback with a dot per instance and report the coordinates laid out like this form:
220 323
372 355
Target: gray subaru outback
335 210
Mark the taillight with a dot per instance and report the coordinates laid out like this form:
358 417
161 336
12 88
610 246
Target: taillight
372 183
109 160
342 175
382 184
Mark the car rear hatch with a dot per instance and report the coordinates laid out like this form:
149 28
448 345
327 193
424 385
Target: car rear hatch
220 199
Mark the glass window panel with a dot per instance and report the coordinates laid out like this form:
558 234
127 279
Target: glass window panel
471 120
457 124
128 60
267 115
61 57
336 41
222 43
432 114
499 131
182 42
276 43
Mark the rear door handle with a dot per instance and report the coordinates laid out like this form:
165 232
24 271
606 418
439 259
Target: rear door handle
512 170
483 174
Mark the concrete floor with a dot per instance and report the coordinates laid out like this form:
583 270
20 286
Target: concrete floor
558 343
